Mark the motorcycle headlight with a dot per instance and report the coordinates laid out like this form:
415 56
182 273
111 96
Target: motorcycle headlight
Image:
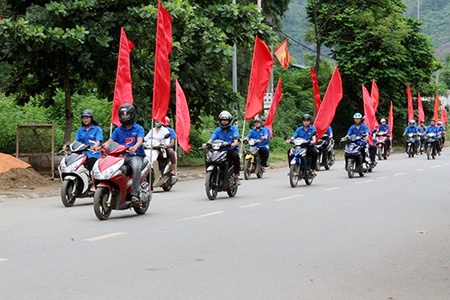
108 172
70 168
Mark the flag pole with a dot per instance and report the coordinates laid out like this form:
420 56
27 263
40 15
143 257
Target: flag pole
241 151
150 158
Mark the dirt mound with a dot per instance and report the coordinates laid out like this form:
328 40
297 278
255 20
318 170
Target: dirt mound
16 179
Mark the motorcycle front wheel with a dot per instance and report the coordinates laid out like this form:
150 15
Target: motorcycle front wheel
379 152
429 149
142 208
293 175
211 187
308 179
67 193
258 167
102 211
247 169
351 168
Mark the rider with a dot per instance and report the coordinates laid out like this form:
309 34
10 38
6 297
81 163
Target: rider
130 134
90 134
432 128
329 132
383 127
230 134
262 134
309 133
360 129
442 131
411 128
159 134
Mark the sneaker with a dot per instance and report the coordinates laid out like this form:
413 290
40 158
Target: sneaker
134 199
439 153
263 169
237 181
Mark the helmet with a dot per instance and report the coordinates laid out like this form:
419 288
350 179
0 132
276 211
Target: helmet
412 122
87 113
382 120
357 116
306 117
167 121
263 118
257 119
225 115
433 120
439 123
127 114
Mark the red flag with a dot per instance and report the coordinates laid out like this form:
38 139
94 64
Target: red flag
327 109
273 108
369 113
315 84
410 104
183 120
437 103
375 95
443 115
420 108
123 90
259 78
161 82
391 120
282 53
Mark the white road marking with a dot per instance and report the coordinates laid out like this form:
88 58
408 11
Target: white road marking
106 236
436 166
288 198
200 216
332 189
366 181
383 177
398 174
3 259
418 170
250 205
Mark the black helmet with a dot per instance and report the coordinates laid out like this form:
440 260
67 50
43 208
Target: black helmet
225 115
127 114
306 117
87 113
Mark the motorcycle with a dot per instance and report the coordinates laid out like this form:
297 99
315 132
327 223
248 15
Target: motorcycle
161 166
325 153
113 180
411 140
219 174
252 161
75 177
430 145
298 167
381 143
356 161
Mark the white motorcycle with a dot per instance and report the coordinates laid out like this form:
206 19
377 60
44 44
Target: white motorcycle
75 177
161 166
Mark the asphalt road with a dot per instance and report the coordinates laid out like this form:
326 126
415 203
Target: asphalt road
383 236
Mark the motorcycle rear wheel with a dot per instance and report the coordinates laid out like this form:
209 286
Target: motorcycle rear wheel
232 188
293 175
351 168
429 148
100 197
308 180
142 208
379 152
247 169
210 186
67 188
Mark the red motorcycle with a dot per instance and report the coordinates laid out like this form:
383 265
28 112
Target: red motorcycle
382 145
112 181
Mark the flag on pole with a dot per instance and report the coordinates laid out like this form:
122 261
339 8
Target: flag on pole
262 64
161 82
123 89
375 95
420 108
410 104
315 84
391 120
437 103
369 113
282 53
183 119
443 115
331 100
273 108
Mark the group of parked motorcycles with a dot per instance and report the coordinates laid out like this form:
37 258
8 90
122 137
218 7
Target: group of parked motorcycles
110 180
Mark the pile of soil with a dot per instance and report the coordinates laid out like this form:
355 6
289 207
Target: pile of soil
16 174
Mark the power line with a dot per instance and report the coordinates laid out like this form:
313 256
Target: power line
304 46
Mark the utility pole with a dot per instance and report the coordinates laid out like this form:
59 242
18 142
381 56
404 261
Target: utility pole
418 10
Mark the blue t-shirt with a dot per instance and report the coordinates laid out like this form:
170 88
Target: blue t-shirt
173 135
84 136
129 137
329 131
361 131
433 129
258 134
306 134
411 129
382 127
228 136
441 128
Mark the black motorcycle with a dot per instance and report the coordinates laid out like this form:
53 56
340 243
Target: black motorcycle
430 145
219 171
355 160
325 153
411 141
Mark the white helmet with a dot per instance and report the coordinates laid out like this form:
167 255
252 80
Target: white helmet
225 115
